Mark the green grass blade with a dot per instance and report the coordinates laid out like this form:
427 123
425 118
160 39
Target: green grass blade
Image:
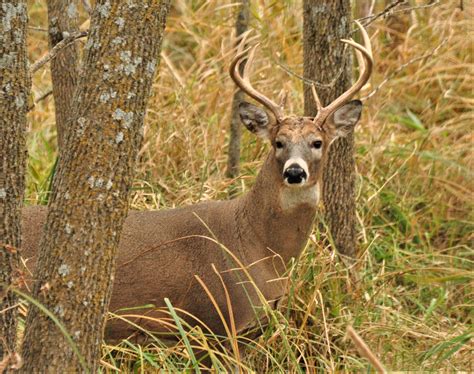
183 334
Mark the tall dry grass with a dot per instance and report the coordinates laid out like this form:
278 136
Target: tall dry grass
413 303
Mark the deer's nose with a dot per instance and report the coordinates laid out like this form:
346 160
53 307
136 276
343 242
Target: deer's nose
294 174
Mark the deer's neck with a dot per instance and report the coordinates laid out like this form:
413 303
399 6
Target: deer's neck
276 217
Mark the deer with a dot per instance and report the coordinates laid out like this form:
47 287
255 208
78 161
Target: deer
220 261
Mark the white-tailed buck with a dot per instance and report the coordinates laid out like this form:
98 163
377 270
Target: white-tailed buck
229 249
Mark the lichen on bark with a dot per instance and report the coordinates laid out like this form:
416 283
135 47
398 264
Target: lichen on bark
14 93
91 187
63 21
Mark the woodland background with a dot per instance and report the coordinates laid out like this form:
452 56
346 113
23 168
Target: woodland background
413 304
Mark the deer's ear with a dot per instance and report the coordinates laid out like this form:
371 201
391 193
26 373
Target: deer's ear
344 119
255 119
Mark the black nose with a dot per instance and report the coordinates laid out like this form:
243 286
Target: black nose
294 174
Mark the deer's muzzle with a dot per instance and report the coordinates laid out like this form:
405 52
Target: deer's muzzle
295 172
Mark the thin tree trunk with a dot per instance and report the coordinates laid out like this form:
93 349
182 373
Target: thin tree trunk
363 8
326 61
90 194
233 163
397 25
14 94
62 18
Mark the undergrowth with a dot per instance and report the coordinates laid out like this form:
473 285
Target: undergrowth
413 300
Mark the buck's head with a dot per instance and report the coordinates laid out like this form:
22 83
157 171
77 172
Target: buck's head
300 144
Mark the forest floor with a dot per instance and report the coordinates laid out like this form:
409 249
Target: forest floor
413 301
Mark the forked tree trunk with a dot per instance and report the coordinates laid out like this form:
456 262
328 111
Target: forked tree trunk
62 19
326 61
14 94
89 201
233 163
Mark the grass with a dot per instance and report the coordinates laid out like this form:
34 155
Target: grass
413 303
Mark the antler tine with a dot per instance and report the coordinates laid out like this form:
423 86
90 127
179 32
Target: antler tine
282 97
244 39
366 38
243 82
365 61
249 63
319 107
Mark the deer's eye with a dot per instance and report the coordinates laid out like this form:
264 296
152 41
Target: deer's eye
317 144
279 144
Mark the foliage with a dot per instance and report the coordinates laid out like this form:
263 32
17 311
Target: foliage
413 302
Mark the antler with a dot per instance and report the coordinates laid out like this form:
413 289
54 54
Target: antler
365 61
244 84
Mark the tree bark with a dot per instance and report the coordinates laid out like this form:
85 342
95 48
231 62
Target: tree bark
397 25
363 8
62 18
89 201
14 94
326 61
233 163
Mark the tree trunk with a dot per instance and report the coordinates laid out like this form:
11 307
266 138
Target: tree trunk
326 61
397 25
90 194
62 18
14 94
241 26
363 8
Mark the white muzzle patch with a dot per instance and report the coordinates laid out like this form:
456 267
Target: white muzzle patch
302 165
